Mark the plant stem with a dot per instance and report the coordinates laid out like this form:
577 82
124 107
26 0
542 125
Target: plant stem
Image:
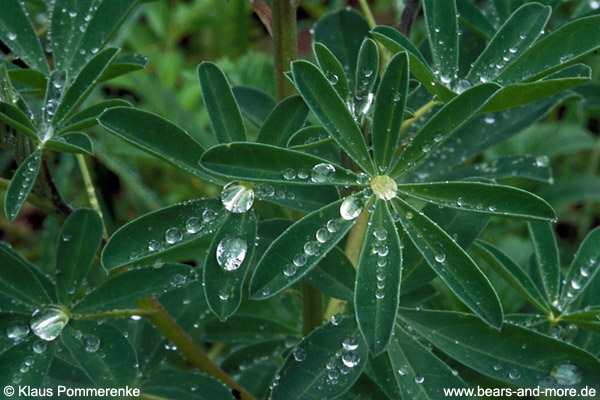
51 191
418 114
91 191
409 15
34 200
312 308
173 332
283 21
116 313
364 6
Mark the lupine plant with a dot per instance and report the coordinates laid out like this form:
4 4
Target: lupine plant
348 246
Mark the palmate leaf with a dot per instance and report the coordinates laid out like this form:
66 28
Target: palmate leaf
306 372
295 252
583 270
330 109
220 103
515 355
227 262
285 119
445 123
512 273
123 289
145 239
388 113
21 184
78 243
418 373
442 31
547 261
17 33
515 36
451 263
377 289
15 118
332 69
482 198
256 162
302 198
123 65
102 351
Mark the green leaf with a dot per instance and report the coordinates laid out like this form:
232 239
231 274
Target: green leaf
102 351
123 289
343 32
222 108
254 104
247 354
309 137
155 135
523 93
124 65
18 282
54 90
445 123
302 198
180 385
83 84
78 243
513 38
15 355
294 253
452 264
483 198
18 34
583 269
471 17
16 119
500 354
396 42
511 272
284 120
555 51
88 117
34 81
334 275
332 69
377 289
505 167
21 184
547 258
330 109
71 142
131 243
367 71
418 373
388 114
442 30
227 263
308 378
364 388
75 40
256 162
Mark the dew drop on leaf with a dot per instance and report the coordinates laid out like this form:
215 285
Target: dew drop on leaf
566 374
322 172
173 235
237 197
91 344
350 208
231 252
48 322
17 331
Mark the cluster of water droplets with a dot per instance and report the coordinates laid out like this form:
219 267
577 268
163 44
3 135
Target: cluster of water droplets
29 175
582 277
380 250
404 370
320 173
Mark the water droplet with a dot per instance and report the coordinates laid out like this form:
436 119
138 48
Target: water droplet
299 260
362 178
351 359
39 347
237 197
323 235
322 172
380 233
208 215
380 294
514 374
594 4
489 119
193 225
497 367
333 225
154 245
289 270
289 174
336 319
48 322
303 174
311 248
11 36
133 256
224 294
17 330
419 378
231 252
332 78
566 374
299 354
66 237
350 342
440 257
173 235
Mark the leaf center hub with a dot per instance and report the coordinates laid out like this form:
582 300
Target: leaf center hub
384 187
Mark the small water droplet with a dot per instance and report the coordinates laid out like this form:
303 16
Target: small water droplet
419 378
440 257
173 235
351 359
231 252
299 354
193 225
350 342
514 374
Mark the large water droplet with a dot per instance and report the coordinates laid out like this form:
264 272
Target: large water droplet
193 225
48 322
350 208
231 252
350 342
17 331
351 359
237 197
566 373
322 173
173 235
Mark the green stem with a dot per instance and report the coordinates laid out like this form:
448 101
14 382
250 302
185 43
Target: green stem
418 114
283 21
116 313
173 332
91 191
312 308
364 6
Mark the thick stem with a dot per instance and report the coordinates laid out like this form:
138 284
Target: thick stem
173 332
284 43
409 15
312 308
